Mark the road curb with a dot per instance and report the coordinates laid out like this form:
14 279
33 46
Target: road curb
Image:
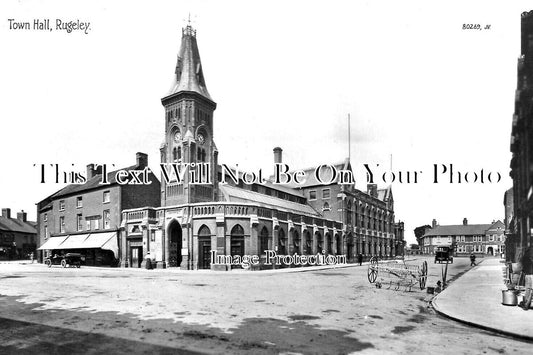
480 326
435 306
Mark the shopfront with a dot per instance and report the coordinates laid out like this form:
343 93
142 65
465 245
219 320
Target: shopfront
97 249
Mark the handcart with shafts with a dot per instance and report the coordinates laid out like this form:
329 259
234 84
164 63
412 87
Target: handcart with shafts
397 273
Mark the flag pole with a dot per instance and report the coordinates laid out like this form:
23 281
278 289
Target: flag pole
349 141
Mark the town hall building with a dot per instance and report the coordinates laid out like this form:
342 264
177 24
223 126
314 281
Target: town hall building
208 207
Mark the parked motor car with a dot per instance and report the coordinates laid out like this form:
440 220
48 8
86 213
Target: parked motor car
444 254
68 259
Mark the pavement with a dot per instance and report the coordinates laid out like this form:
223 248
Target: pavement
22 261
475 298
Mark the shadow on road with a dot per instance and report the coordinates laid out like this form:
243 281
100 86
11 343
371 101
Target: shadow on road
60 331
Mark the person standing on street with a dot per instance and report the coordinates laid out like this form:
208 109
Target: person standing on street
360 259
472 260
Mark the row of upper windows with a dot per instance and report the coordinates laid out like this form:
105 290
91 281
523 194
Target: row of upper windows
92 223
326 194
200 156
476 248
176 112
372 211
106 198
471 238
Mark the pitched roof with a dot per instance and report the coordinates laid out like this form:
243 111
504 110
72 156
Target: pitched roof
189 74
236 194
325 174
94 183
267 183
384 194
284 188
459 229
497 225
16 225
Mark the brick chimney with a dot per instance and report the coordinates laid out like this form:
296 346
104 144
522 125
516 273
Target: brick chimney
6 212
372 189
90 171
22 216
142 160
465 221
434 223
278 155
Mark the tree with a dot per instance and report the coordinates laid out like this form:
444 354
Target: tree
419 233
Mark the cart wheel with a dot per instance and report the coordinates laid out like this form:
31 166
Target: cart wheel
64 263
48 262
372 272
423 273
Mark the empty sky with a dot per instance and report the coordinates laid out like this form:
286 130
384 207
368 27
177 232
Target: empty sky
283 73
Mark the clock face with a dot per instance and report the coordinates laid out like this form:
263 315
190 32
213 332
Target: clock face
200 138
177 137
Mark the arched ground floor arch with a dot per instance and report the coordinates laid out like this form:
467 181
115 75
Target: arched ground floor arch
193 236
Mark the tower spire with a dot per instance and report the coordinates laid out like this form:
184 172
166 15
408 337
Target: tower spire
189 129
189 73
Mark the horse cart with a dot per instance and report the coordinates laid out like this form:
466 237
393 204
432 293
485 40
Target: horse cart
397 273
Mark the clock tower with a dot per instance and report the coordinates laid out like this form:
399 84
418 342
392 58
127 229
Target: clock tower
188 140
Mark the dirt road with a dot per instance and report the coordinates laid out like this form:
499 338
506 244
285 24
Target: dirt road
334 311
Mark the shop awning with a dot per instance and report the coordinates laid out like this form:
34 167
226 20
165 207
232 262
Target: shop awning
106 241
52 243
74 242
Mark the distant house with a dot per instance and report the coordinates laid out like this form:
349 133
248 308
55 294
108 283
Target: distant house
412 249
18 236
487 239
